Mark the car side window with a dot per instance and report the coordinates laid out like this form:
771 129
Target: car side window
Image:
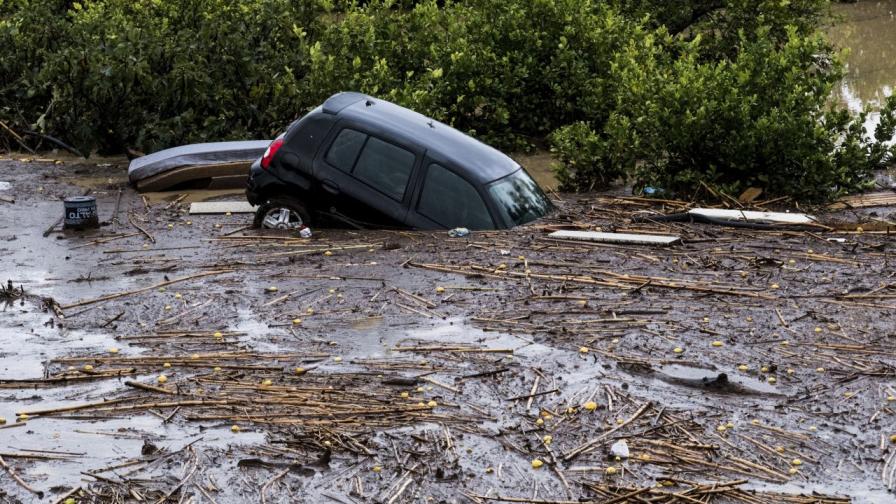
386 167
344 150
452 201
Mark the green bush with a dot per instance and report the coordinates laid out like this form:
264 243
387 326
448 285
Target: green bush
160 73
676 93
761 119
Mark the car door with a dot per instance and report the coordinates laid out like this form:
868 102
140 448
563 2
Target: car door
447 200
366 176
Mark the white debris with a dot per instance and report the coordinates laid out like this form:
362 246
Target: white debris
637 239
221 207
753 216
619 449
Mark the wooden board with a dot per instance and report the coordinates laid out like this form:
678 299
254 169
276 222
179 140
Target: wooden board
634 239
887 198
217 175
220 207
752 216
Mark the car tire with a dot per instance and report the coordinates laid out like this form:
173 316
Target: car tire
282 212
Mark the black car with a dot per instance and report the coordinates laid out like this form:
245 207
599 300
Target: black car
369 162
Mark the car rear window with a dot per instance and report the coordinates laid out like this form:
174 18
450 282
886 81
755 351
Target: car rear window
385 167
451 201
345 148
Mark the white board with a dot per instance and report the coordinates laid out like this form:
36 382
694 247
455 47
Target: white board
635 239
752 216
220 207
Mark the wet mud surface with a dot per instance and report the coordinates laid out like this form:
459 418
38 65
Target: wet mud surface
196 361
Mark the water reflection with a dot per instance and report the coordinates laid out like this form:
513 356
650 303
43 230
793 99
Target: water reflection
868 29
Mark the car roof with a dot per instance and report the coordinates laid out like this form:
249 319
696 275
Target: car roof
480 162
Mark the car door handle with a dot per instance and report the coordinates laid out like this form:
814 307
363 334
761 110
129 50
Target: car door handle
330 186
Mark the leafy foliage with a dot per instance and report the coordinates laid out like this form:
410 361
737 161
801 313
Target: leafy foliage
678 93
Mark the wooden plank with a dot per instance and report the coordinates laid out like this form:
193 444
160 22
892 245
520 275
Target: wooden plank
233 174
220 207
887 198
752 216
634 239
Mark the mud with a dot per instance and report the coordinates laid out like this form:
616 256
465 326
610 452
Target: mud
434 368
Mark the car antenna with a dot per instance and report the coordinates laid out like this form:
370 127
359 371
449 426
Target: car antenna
431 125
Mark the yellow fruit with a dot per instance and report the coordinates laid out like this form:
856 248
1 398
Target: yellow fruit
779 449
583 349
405 395
296 321
721 428
170 226
590 405
489 470
537 463
432 404
706 319
194 356
376 468
743 367
162 289
817 329
548 439
273 288
891 398
162 379
88 367
328 253
717 343
178 296
299 370
764 369
848 394
790 371
310 311
792 470
22 417
419 389
113 350
644 456
776 286
539 422
754 422
678 350
189 223
167 307
2 421
730 425
166 365
218 334
234 428
611 471
792 261
216 369
440 290
893 438
796 462
228 214
813 428
337 359
266 383
820 370
772 380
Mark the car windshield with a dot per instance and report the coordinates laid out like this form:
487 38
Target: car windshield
519 198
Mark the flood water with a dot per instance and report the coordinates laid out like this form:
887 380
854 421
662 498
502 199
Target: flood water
868 29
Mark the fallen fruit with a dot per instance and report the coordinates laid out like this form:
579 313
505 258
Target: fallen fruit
743 367
583 349
548 439
405 395
337 359
178 295
2 421
234 428
539 422
536 463
432 404
590 405
796 462
162 378
88 367
273 288
440 290
113 350
376 468
611 471
296 321
300 370
328 253
772 379
166 365
266 383
22 417
717 343
678 350
216 369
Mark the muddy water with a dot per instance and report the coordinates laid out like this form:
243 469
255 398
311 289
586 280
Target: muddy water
868 30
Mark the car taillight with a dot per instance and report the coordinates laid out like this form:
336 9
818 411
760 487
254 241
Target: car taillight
269 153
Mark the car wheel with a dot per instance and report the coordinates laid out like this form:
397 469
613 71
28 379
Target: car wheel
282 213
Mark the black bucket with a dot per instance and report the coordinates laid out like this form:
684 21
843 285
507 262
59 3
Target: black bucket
80 212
